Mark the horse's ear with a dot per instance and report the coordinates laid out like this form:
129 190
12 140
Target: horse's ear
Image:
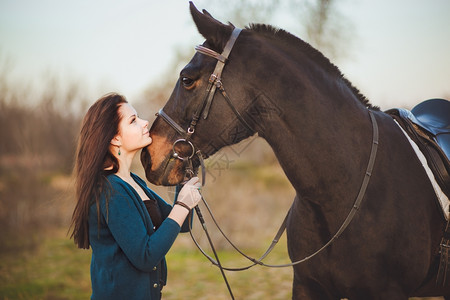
211 29
205 12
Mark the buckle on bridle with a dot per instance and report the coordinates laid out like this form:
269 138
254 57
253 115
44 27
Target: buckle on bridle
212 78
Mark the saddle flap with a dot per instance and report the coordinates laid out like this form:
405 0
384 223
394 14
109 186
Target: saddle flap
427 125
444 141
433 115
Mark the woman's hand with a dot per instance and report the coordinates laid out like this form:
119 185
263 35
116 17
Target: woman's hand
189 196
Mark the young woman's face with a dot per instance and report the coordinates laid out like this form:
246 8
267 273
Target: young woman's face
133 131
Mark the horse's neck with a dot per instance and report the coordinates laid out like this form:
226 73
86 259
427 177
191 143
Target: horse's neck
323 150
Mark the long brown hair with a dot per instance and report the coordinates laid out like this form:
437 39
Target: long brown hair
93 161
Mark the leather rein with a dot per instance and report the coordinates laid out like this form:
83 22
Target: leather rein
216 83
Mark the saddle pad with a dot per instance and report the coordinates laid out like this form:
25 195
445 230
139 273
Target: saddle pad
442 198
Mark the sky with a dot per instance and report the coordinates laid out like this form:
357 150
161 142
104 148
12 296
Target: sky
399 57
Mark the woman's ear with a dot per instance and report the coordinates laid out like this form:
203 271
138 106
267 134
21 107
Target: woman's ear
116 141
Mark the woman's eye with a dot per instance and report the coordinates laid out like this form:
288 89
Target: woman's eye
187 82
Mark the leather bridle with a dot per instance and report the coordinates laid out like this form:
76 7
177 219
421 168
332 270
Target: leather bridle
214 82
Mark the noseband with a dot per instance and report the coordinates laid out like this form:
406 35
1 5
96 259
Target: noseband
214 82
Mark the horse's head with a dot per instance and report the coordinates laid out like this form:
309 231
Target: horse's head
200 117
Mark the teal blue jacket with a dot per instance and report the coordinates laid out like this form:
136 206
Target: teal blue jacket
127 253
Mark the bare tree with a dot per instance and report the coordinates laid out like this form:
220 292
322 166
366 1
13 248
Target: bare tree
328 30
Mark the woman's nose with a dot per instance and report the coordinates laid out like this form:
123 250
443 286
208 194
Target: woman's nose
145 122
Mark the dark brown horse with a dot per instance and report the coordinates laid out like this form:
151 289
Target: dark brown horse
320 130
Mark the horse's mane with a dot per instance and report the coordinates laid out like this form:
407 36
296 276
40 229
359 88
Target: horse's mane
312 53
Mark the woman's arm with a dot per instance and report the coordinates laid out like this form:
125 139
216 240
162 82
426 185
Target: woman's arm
127 226
179 214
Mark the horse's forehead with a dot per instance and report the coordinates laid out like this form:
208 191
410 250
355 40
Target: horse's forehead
199 63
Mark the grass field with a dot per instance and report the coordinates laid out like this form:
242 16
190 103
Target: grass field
56 269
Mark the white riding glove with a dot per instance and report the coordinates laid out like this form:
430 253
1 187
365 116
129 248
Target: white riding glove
189 195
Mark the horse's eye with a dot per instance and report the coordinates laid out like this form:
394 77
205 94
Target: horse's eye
187 82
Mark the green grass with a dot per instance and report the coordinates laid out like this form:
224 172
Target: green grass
192 276
56 269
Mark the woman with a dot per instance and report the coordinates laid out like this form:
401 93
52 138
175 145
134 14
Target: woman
128 226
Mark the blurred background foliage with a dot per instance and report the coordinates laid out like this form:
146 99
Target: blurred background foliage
39 127
246 188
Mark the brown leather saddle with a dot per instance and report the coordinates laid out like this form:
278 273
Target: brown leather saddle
428 125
